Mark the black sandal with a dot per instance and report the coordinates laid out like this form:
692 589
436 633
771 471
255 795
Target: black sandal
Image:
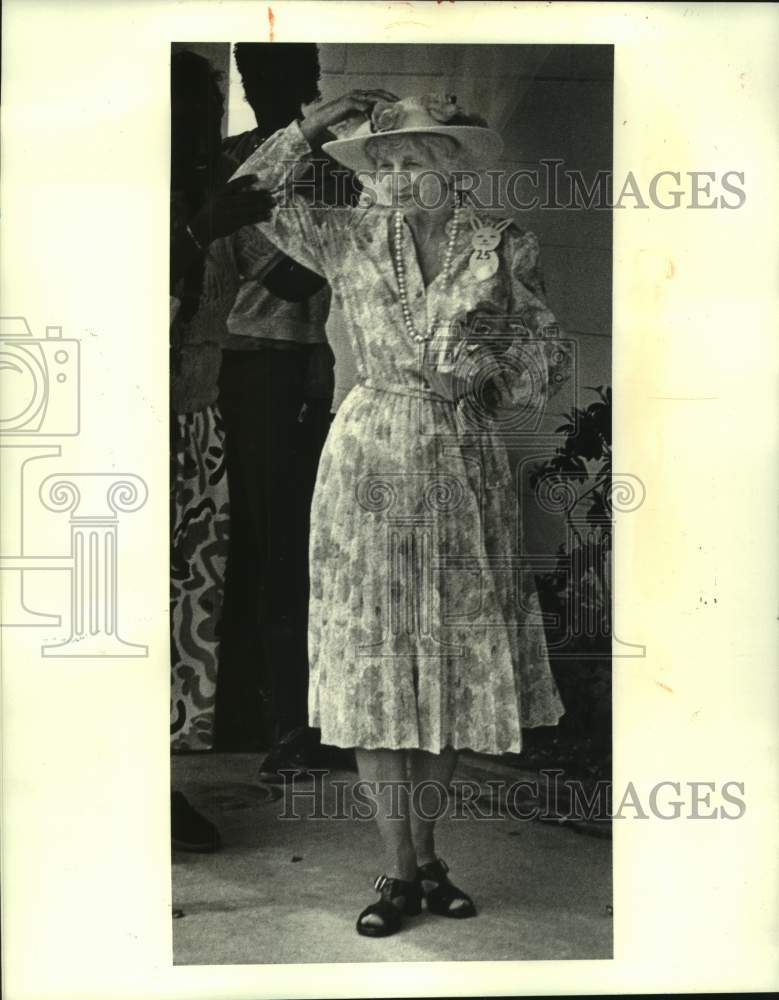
440 893
409 902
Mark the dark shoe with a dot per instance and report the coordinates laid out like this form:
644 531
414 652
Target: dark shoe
290 753
331 758
397 898
440 894
189 830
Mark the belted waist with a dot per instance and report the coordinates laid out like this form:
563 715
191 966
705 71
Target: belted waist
401 389
482 437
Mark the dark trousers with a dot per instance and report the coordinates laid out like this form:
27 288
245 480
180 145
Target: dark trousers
272 458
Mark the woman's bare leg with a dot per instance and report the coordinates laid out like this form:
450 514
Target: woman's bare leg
432 767
429 801
392 817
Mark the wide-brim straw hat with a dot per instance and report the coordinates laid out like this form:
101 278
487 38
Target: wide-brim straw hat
479 145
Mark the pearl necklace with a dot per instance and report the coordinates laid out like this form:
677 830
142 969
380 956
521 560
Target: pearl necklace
400 271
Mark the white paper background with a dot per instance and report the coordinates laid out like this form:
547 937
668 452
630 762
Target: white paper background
85 863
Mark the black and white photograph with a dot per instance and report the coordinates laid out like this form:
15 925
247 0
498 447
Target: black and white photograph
390 501
388 438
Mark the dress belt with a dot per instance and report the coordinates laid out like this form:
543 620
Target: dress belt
485 438
399 389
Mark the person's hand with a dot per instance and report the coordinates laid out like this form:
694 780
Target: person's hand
291 281
354 104
484 379
239 203
319 383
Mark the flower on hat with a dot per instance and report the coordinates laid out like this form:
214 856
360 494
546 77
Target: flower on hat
386 115
442 107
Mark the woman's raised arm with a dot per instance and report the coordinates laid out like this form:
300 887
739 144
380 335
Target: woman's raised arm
294 226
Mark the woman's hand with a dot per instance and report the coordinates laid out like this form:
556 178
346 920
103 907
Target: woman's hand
356 103
239 203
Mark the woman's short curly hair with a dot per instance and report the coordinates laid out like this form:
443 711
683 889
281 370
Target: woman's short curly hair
442 152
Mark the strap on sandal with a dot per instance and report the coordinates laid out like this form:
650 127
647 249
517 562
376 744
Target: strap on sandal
440 893
389 912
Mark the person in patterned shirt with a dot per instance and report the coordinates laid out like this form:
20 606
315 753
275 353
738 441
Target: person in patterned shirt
203 285
276 390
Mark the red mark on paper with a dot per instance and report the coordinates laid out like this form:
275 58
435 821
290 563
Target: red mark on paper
271 23
664 687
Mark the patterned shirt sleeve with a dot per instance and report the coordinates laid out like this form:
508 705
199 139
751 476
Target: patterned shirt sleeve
300 230
255 254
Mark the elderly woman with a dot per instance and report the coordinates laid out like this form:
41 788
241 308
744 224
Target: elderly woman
424 636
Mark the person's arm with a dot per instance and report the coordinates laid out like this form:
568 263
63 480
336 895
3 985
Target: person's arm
237 204
529 303
294 226
292 281
530 366
260 260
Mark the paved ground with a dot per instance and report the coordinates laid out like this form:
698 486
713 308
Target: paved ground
289 891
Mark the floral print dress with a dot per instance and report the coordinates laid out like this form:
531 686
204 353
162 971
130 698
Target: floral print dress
424 630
